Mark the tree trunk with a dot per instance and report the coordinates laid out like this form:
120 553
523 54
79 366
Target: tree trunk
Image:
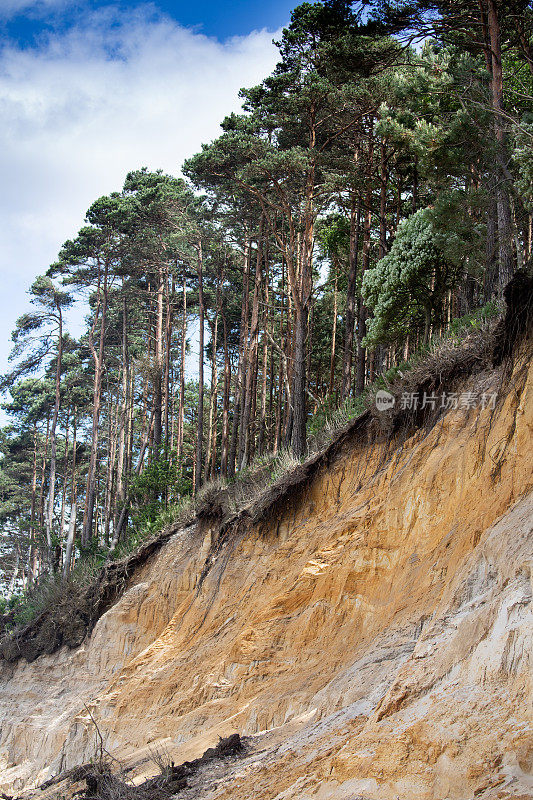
65 479
362 315
70 540
181 407
301 307
169 297
225 403
200 430
253 411
490 276
384 177
13 581
299 420
129 431
360 366
427 324
73 484
333 337
252 355
264 362
158 365
283 397
43 473
124 513
123 424
112 433
525 45
53 440
414 197
33 532
243 336
349 314
210 455
98 358
505 231
212 436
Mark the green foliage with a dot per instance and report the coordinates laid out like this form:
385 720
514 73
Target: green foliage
458 330
523 155
148 490
51 588
180 512
333 235
460 327
330 417
408 285
423 114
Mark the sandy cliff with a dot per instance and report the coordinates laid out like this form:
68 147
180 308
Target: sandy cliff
372 639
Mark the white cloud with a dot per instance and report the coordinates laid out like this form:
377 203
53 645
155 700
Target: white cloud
83 109
10 8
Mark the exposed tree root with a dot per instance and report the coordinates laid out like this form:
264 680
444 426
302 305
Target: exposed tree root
104 782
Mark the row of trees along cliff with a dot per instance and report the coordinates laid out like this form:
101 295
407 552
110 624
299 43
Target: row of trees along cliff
377 185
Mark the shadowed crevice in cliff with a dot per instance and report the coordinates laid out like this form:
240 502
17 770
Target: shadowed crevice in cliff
518 320
75 614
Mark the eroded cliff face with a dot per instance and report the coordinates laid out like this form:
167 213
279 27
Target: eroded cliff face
373 640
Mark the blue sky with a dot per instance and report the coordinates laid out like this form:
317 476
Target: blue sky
26 21
90 90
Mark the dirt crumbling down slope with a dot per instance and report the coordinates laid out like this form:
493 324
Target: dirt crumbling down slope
369 633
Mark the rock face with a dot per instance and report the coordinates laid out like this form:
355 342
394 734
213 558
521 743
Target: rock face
375 640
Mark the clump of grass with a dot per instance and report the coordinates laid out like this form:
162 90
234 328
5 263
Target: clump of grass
460 327
178 514
54 589
330 419
472 331
284 461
